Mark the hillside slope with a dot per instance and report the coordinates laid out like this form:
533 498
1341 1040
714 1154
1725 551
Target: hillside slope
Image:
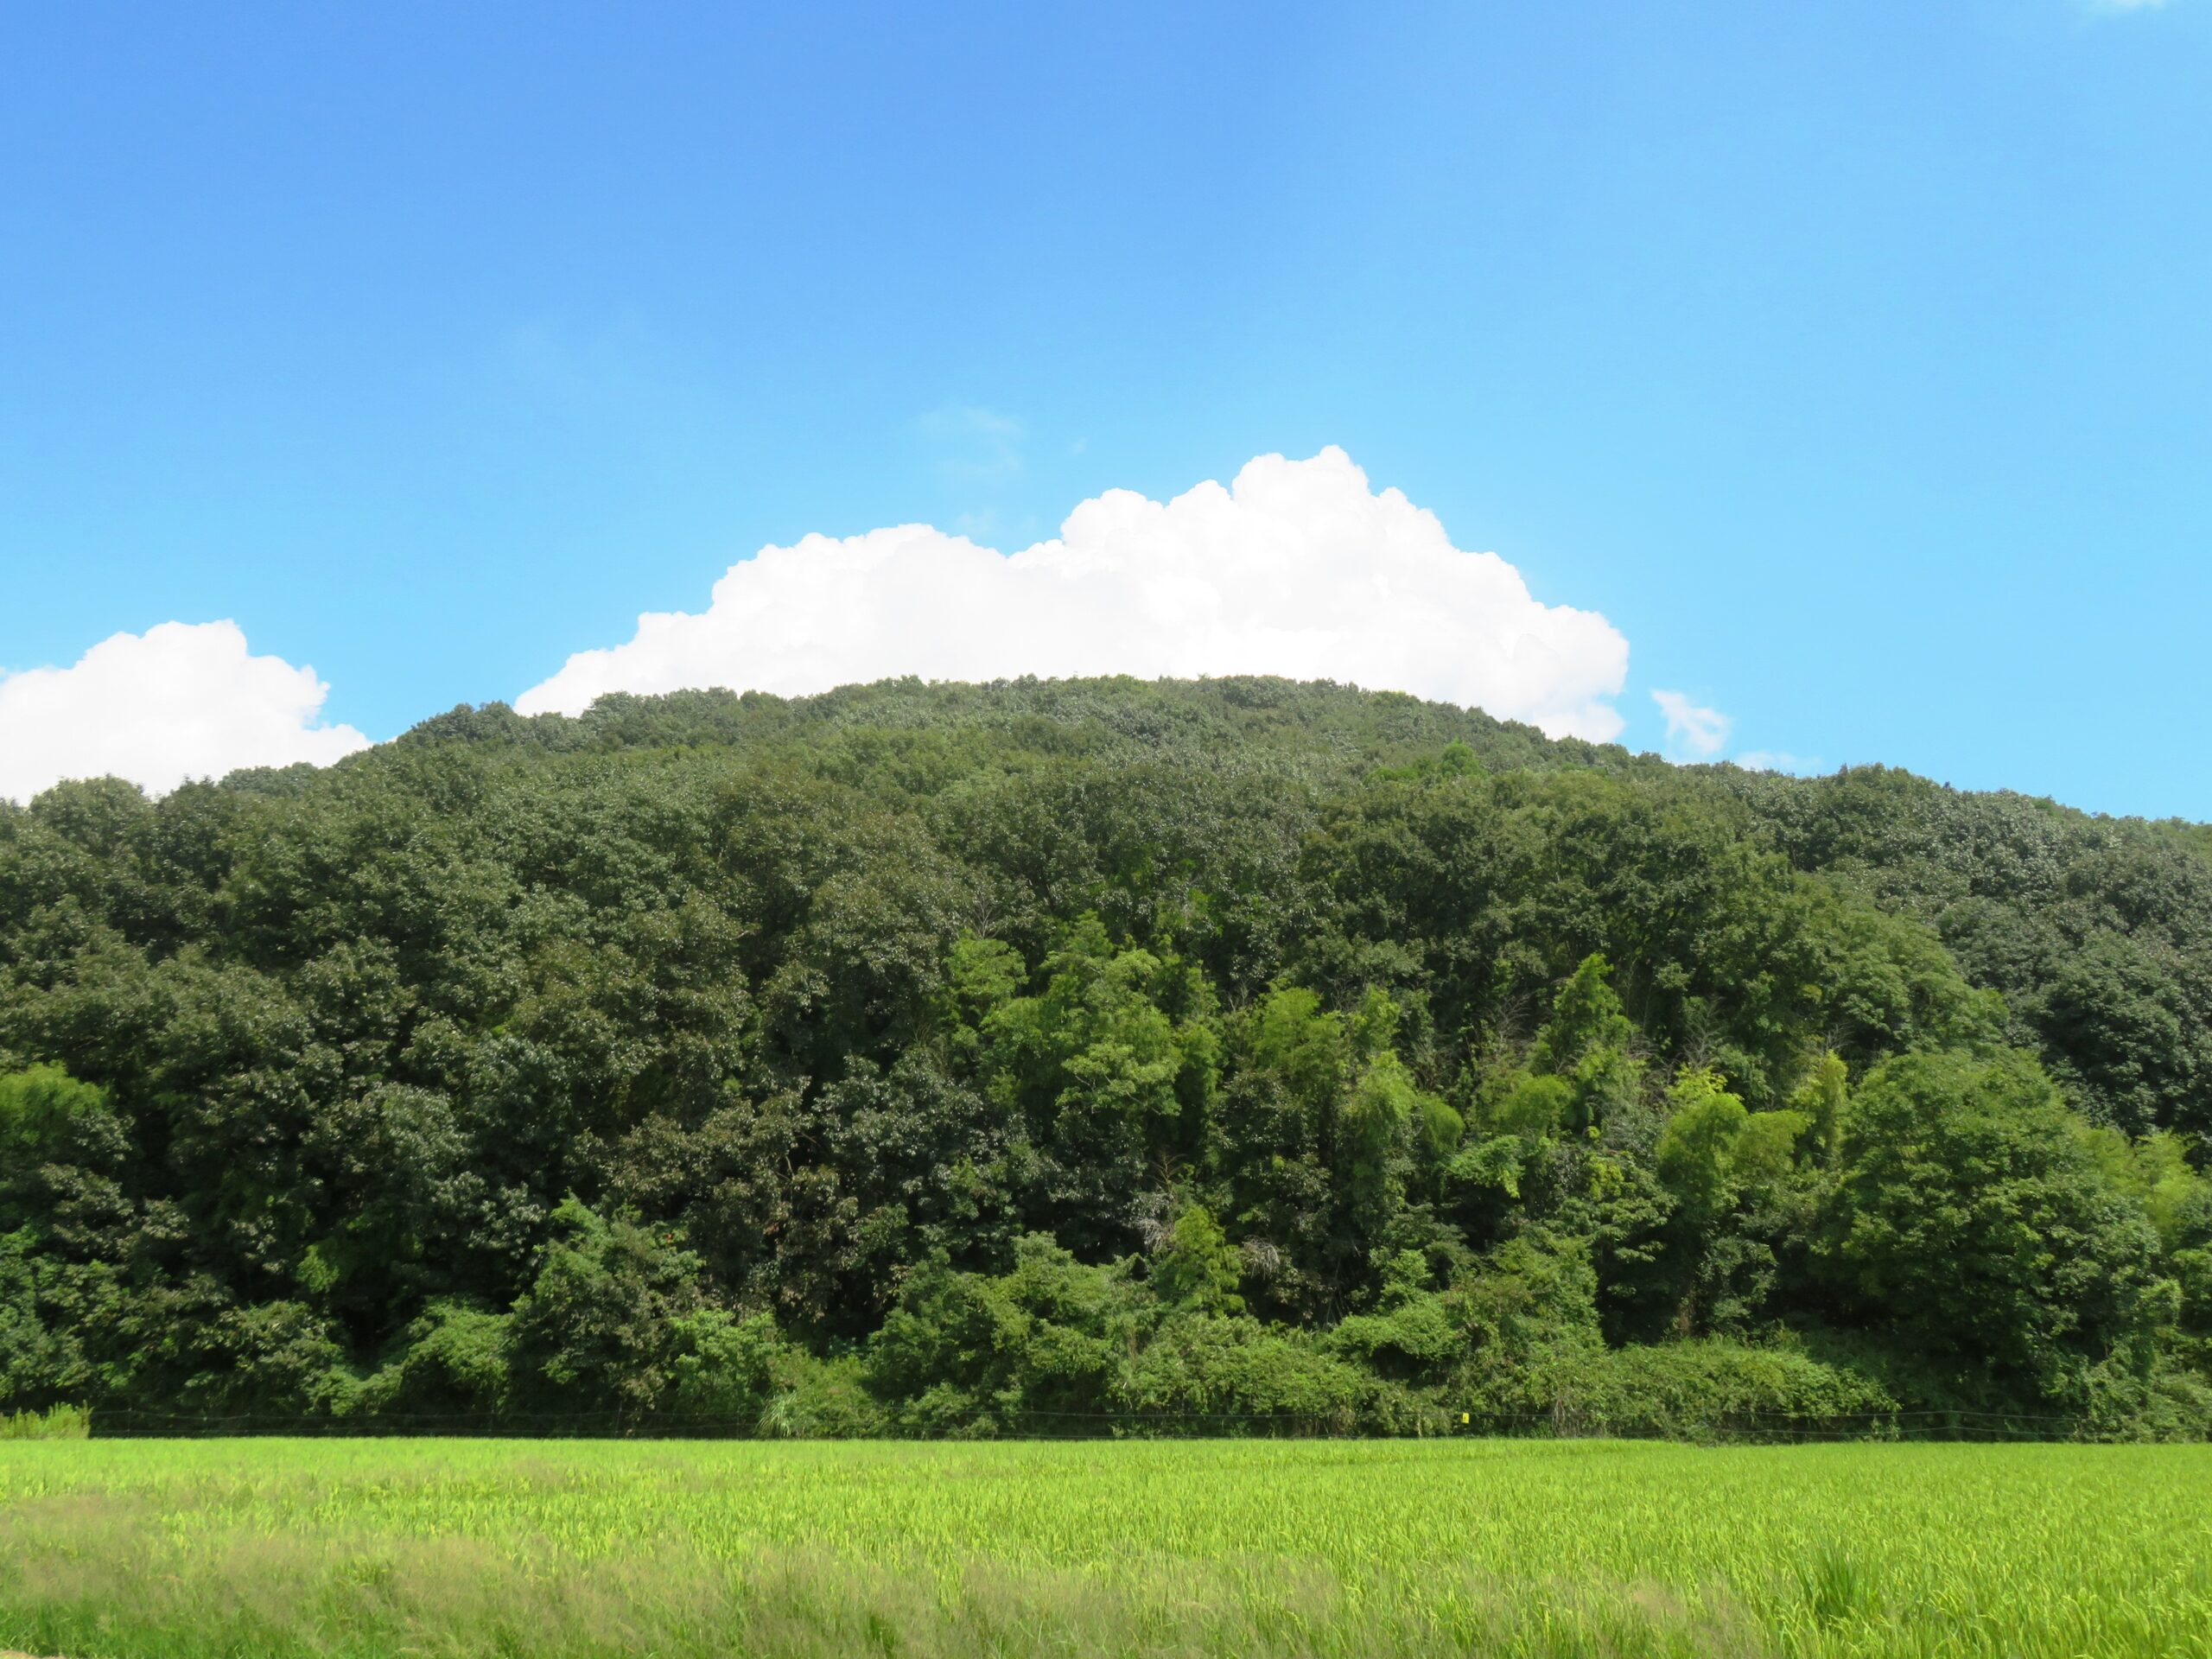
924 1057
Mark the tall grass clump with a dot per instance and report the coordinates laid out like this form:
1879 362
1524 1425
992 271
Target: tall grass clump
1837 1587
58 1423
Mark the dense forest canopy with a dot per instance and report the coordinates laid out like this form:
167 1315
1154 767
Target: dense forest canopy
923 1058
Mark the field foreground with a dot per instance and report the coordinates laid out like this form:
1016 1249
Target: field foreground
119 1549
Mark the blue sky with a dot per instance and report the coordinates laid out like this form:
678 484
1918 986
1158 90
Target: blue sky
1855 362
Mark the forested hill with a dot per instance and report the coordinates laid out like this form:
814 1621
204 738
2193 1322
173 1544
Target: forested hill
925 1057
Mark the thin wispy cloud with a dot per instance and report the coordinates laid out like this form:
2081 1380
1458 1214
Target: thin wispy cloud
976 445
1692 729
1798 765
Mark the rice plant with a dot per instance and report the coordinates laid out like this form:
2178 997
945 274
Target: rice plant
113 1550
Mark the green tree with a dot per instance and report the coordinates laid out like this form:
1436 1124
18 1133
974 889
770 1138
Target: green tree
1972 1219
597 1327
1586 1044
1697 1152
1199 1268
1101 1074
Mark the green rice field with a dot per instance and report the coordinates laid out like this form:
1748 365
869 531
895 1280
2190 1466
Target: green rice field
132 1549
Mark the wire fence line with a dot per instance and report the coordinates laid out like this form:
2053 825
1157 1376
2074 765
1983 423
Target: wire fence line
1747 1428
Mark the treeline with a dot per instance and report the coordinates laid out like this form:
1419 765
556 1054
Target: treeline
921 1058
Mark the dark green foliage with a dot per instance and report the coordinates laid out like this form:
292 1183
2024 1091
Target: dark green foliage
1974 1219
933 1056
2097 931
456 1359
1241 1376
602 1323
968 1353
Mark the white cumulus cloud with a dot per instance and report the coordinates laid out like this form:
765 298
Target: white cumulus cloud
181 700
1297 568
1691 727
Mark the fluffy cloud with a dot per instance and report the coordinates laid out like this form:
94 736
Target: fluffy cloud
180 701
1690 726
1297 568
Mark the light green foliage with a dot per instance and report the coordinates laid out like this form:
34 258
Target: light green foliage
1095 1064
1531 1319
1767 1146
48 1117
1824 1099
57 1423
1712 1153
2155 1171
1586 1044
1526 1107
1713 1380
1389 1130
1199 1268
1094 1041
1292 1036
1264 1550
1697 1151
1376 1130
1413 1336
982 976
1516 1118
723 1367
